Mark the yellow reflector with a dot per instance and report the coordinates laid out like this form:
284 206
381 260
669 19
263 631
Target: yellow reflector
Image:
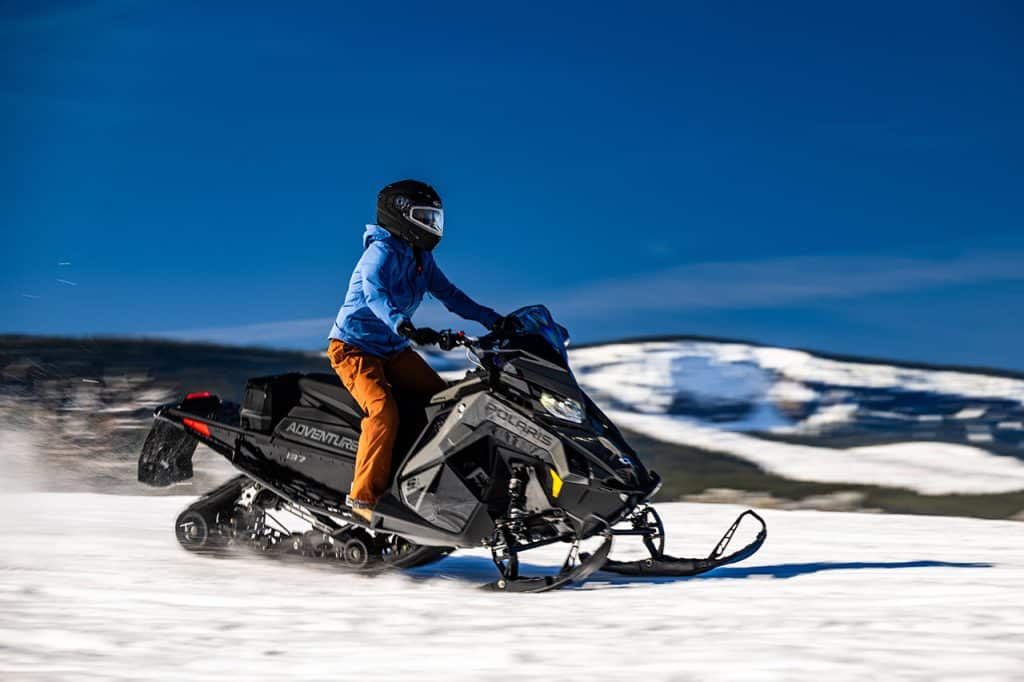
556 484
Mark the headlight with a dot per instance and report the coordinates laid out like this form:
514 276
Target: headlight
563 408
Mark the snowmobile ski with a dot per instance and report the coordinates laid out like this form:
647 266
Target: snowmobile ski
660 564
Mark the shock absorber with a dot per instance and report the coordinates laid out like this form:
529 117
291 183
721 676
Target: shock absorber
516 498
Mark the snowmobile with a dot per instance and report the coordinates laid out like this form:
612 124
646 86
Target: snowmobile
513 457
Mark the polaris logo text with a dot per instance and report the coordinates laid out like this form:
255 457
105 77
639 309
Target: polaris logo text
518 425
334 440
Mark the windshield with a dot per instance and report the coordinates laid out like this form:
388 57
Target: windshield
536 321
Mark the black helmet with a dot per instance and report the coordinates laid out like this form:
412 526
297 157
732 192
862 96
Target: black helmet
411 210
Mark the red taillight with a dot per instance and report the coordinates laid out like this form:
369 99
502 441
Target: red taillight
198 427
201 394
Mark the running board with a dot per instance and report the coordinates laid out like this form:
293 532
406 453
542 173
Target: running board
677 567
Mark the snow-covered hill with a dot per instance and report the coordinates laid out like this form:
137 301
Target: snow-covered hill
811 418
94 587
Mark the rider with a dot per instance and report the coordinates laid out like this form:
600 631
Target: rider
369 342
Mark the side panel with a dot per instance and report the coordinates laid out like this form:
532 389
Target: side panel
317 446
463 470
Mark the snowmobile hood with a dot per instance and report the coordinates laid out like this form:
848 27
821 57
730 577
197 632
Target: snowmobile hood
374 233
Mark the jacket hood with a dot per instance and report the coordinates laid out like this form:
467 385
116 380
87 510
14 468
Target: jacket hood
374 233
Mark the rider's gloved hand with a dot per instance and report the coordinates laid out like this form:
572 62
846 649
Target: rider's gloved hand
425 336
421 336
504 326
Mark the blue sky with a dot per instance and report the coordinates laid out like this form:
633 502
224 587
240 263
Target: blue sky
842 178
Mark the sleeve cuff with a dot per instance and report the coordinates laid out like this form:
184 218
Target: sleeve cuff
397 322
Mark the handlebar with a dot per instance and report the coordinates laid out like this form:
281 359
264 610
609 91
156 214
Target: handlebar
449 339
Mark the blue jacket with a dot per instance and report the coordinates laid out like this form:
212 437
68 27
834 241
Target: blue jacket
386 288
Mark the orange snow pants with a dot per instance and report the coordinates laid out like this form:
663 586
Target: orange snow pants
369 378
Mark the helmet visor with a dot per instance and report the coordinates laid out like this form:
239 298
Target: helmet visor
429 218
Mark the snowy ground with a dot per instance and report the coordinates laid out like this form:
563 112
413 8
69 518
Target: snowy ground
95 587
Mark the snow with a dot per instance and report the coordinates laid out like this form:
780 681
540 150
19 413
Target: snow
791 392
647 377
19 461
828 416
970 413
802 366
94 587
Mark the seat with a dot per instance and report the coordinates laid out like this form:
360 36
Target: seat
326 390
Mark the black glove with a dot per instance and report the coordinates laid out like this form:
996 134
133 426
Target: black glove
505 326
425 336
421 336
406 329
